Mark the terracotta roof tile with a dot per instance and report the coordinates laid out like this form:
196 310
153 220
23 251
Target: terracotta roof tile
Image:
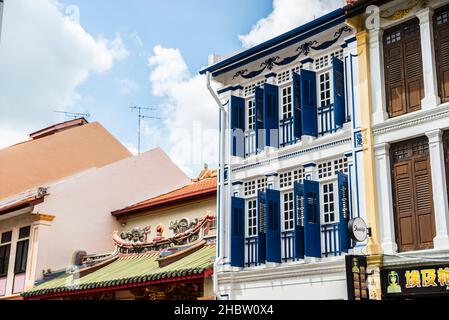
191 191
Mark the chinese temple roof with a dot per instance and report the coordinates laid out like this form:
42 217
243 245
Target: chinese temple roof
197 189
127 271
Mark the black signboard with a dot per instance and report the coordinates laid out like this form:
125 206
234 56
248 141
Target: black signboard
415 281
356 277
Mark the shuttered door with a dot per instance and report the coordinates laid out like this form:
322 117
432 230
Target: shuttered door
403 68
441 32
412 193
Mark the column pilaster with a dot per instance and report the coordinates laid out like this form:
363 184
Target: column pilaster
440 201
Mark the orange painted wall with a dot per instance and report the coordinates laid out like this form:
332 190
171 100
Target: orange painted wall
37 162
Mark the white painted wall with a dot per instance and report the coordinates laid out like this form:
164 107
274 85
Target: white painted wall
292 281
83 204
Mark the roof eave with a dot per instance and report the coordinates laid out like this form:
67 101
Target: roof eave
167 202
276 41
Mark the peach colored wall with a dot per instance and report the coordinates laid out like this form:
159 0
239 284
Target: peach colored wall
82 205
51 158
191 211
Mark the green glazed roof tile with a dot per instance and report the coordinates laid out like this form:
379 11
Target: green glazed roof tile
129 269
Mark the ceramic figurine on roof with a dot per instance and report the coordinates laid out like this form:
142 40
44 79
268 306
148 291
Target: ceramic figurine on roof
159 232
206 173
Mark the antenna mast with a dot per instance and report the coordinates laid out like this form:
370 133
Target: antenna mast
140 117
73 115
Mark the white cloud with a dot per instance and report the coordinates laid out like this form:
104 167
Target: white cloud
191 115
127 86
286 15
44 57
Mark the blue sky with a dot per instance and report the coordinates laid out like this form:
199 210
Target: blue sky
103 56
196 27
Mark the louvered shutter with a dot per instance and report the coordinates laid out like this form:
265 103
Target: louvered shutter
312 227
299 221
343 203
297 105
273 226
237 232
412 193
238 126
262 227
260 133
441 32
403 68
271 114
414 79
339 92
309 115
403 186
425 219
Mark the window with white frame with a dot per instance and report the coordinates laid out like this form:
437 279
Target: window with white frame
286 76
341 165
262 184
325 92
286 102
329 168
325 170
287 178
251 187
251 114
326 60
252 217
329 202
287 211
250 89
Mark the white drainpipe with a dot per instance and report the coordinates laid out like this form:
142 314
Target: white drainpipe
220 200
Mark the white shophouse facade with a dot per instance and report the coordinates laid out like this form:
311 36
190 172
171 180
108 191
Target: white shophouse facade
304 83
409 55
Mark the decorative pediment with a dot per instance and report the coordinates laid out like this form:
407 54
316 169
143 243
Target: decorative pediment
304 49
186 232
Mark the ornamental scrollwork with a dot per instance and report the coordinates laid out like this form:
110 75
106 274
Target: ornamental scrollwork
304 49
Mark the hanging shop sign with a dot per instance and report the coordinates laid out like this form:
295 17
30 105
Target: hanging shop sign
356 277
415 281
358 230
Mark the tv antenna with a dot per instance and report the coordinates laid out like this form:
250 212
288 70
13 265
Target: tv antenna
140 117
74 115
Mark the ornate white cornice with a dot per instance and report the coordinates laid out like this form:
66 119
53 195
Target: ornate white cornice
321 143
411 119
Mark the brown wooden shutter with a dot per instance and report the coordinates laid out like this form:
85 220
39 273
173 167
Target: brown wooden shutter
412 193
403 68
441 32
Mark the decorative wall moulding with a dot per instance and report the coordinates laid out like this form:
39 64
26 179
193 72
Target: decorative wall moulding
303 49
393 15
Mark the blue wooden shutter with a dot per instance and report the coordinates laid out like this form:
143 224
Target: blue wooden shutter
339 92
273 226
271 114
262 227
237 232
297 105
309 116
299 221
238 126
312 227
343 202
258 108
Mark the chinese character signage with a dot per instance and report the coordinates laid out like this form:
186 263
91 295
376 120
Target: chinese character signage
356 277
413 281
